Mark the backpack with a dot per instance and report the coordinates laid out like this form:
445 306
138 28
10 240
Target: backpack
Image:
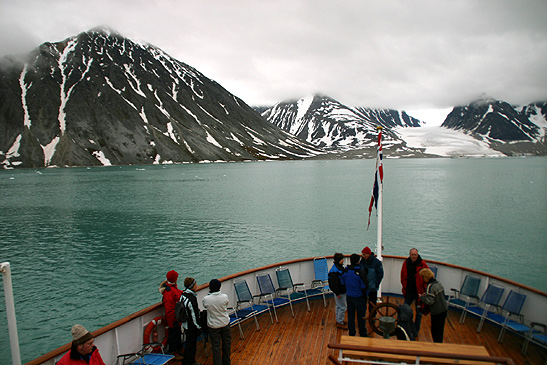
181 312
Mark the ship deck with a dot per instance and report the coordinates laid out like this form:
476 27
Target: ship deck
304 339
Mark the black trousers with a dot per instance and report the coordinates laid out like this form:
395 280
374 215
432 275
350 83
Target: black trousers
437 326
174 342
189 357
221 352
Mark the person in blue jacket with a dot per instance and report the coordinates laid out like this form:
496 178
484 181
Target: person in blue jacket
338 289
374 271
355 295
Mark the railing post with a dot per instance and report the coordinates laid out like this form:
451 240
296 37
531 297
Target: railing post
10 312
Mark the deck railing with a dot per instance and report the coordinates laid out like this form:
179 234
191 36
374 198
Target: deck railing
126 335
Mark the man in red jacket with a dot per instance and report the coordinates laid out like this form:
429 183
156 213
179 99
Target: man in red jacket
82 352
171 294
413 283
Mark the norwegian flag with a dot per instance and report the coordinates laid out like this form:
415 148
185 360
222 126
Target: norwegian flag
378 177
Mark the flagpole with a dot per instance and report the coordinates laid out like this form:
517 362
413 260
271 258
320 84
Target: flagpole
380 208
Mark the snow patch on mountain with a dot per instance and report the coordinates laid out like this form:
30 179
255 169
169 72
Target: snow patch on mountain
446 142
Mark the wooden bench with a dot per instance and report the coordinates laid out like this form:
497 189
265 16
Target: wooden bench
365 349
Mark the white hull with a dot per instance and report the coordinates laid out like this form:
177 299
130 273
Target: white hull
126 335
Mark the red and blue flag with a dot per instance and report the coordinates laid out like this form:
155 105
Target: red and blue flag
378 177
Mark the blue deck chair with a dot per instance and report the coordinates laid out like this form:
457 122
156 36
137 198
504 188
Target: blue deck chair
489 302
268 294
235 320
144 357
511 308
245 307
467 294
288 289
320 285
434 269
537 334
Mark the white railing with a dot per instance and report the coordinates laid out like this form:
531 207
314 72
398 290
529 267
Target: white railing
10 312
126 335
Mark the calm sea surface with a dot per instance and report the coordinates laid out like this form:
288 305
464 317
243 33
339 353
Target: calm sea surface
91 246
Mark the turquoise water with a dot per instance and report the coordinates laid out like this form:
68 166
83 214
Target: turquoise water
91 246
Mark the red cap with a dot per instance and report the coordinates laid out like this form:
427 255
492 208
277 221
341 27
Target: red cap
366 251
172 276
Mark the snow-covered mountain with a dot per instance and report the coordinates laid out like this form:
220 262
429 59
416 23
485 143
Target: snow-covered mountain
507 129
99 99
483 128
329 124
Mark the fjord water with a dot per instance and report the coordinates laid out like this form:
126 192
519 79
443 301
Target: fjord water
91 245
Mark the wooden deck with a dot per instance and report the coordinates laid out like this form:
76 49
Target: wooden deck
304 339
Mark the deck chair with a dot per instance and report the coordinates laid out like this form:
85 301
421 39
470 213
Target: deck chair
511 308
288 289
434 269
320 285
268 294
235 320
490 299
144 357
467 294
245 307
537 334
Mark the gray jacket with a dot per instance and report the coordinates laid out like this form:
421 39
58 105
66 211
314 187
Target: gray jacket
434 297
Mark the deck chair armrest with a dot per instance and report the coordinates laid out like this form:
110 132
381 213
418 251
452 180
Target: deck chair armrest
256 296
454 290
125 357
474 297
316 282
145 346
541 325
281 289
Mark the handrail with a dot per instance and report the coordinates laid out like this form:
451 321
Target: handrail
422 353
66 347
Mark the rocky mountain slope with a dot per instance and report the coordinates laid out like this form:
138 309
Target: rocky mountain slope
329 124
99 99
496 126
510 130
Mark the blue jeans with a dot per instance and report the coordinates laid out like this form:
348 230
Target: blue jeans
357 305
340 310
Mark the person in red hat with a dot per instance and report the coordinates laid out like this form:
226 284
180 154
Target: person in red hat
171 294
374 270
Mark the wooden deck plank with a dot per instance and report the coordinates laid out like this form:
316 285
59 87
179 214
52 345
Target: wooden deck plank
304 339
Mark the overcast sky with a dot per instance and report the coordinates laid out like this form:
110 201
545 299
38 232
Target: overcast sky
400 54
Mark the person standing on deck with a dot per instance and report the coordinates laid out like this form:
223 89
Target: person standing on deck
218 321
171 294
413 283
436 301
356 294
192 325
374 271
338 289
82 350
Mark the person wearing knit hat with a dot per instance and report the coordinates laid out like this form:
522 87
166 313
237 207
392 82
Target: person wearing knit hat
193 325
374 271
218 322
82 349
339 290
170 296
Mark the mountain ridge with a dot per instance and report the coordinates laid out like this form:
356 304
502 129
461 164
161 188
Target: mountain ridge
99 98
